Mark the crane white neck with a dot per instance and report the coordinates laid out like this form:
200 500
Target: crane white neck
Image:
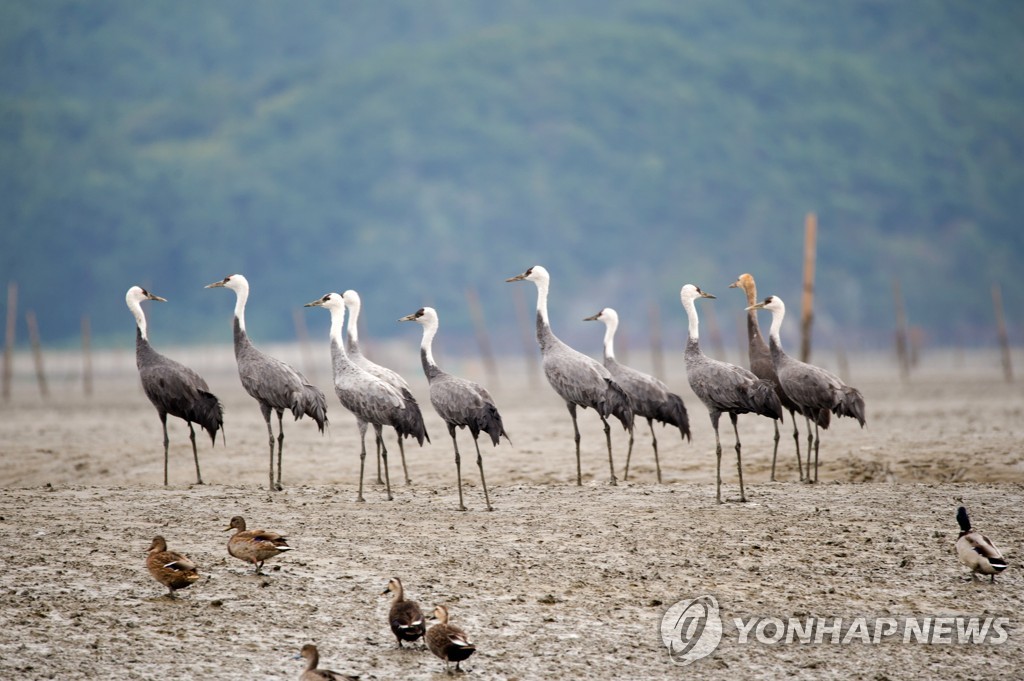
354 305
542 299
776 328
691 315
337 322
427 343
611 324
140 318
241 296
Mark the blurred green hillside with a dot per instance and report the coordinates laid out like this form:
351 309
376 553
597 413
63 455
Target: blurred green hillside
411 150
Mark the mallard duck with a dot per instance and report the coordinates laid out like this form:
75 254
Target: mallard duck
170 568
448 641
405 617
312 657
977 551
254 546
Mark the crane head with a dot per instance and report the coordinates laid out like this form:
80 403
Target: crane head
424 315
330 301
535 273
771 303
691 292
138 294
235 282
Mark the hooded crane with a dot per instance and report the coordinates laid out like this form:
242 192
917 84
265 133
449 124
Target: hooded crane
460 403
723 387
370 399
651 398
578 379
173 388
816 392
762 367
353 304
272 383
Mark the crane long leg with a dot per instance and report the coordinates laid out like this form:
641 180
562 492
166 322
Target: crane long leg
480 465
401 450
629 455
654 443
810 444
608 439
775 449
167 442
380 480
362 456
195 452
817 441
458 464
796 440
718 457
739 463
280 445
384 456
576 434
270 430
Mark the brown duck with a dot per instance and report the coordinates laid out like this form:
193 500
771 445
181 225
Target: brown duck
254 546
448 641
405 617
170 568
312 657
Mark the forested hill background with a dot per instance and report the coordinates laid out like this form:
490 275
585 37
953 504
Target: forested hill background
412 150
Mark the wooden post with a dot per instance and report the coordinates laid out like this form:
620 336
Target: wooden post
807 309
902 352
37 351
12 320
86 356
525 323
714 333
657 351
483 339
302 334
1004 338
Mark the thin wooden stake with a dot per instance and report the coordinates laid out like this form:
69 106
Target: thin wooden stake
483 339
86 355
902 351
714 333
807 308
12 320
1004 337
657 351
37 351
525 323
302 334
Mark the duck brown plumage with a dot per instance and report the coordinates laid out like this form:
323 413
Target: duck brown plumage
254 546
312 657
977 551
405 617
172 569
447 641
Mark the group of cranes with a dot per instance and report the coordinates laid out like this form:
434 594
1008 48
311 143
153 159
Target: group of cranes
380 397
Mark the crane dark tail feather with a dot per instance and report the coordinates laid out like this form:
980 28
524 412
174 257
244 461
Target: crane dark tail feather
673 411
208 413
410 420
765 401
618 404
313 404
851 404
490 422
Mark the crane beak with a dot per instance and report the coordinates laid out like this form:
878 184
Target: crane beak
408 318
755 306
216 284
592 318
518 277
157 298
315 303
735 284
706 295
